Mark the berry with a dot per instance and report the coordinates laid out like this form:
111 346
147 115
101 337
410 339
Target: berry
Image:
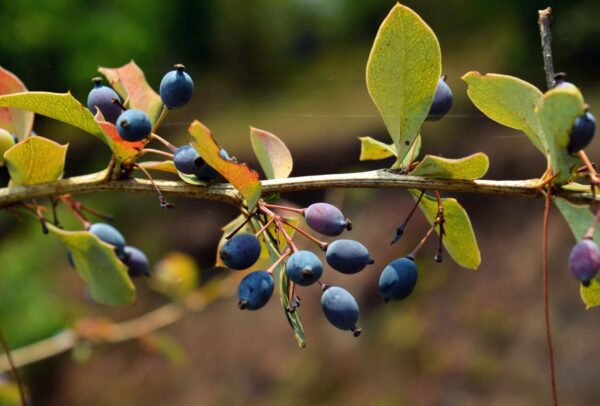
442 101
102 97
241 252
340 308
304 268
348 256
207 173
187 160
398 279
561 82
326 219
110 235
582 132
136 261
7 140
584 260
176 87
134 125
255 290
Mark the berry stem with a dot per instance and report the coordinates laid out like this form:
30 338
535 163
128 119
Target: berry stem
400 230
287 237
160 139
69 202
13 369
442 232
238 228
156 151
163 202
414 252
281 258
94 212
38 213
323 245
263 228
292 209
163 115
592 174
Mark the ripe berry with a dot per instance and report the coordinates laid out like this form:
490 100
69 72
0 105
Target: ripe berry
241 252
442 101
340 308
584 260
561 82
304 268
582 132
348 256
110 235
176 87
187 160
102 97
134 125
7 140
398 279
136 261
207 173
255 290
326 219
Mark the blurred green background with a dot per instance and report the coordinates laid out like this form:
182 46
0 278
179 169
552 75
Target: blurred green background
296 68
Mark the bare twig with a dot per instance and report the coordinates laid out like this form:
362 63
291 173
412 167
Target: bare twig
545 23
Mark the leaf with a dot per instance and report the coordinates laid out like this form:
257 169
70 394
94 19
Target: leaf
273 155
241 176
372 149
590 294
507 100
176 275
556 113
16 121
403 70
124 150
99 266
459 241
162 166
36 160
470 167
130 82
192 179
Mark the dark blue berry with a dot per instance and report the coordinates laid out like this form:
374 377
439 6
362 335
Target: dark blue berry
187 160
134 125
136 261
326 219
584 260
582 132
304 268
207 173
241 252
102 97
442 101
561 82
110 235
176 87
398 279
255 290
340 308
348 256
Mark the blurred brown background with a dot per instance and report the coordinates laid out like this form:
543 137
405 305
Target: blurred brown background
296 68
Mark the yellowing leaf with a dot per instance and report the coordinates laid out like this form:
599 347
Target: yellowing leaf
507 100
372 149
124 150
176 275
591 294
162 166
35 160
16 121
274 156
99 266
241 176
470 167
402 74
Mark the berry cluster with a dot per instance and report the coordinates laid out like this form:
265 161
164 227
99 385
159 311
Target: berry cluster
302 267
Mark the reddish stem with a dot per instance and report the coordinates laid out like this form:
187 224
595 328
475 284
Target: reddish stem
166 143
267 224
14 371
414 252
292 209
279 261
546 301
323 245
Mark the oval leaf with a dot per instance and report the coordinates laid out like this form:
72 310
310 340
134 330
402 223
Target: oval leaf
507 100
273 155
459 241
402 74
470 167
99 266
372 149
241 176
36 160
16 121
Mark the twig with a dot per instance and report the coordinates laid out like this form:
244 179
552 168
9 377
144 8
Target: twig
545 23
15 373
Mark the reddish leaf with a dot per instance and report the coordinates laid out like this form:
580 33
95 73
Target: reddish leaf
124 150
241 176
273 155
16 121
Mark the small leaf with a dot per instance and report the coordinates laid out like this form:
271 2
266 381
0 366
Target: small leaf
591 294
556 113
176 275
99 266
372 149
130 82
16 121
470 167
413 152
241 176
459 241
402 74
274 156
192 179
507 100
36 160
162 166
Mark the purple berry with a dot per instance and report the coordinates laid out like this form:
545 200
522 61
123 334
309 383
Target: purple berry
398 279
102 97
340 308
326 219
348 256
442 101
136 261
584 260
582 132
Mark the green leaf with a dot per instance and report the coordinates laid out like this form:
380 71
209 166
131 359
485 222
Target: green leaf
35 160
590 294
403 70
16 121
99 266
130 82
241 176
273 155
192 179
556 113
507 100
470 167
372 149
459 241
